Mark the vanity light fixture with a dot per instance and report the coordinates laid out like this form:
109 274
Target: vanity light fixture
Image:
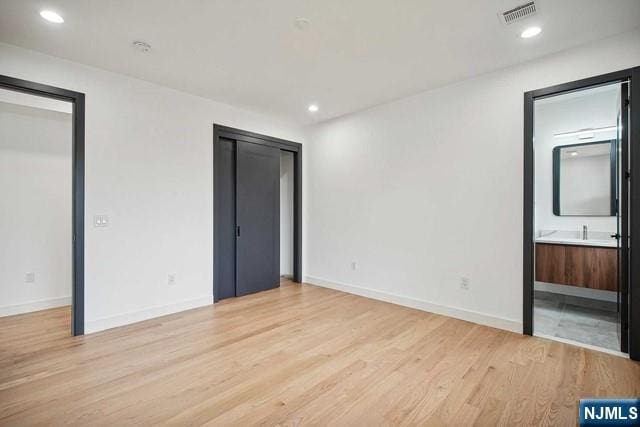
588 131
588 135
574 153
52 16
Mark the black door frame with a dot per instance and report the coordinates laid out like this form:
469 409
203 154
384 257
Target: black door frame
77 99
220 131
633 76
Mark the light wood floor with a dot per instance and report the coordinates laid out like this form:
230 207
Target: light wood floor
298 355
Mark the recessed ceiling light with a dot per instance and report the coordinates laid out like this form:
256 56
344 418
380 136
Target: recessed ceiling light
313 108
51 16
530 32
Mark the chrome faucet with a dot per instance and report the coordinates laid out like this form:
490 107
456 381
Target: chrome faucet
585 233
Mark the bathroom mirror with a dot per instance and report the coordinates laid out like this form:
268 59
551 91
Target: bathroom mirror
584 179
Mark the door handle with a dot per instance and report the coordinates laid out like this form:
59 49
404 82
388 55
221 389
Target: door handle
238 231
616 236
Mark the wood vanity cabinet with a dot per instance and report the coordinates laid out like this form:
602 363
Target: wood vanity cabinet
583 266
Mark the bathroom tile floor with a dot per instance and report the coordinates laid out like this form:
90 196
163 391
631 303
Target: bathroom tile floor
578 319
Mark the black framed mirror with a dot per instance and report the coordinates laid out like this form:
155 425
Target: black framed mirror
584 179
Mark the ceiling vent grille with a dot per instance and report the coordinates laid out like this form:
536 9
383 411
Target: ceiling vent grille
518 13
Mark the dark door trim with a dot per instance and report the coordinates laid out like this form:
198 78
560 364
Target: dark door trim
226 132
77 100
632 75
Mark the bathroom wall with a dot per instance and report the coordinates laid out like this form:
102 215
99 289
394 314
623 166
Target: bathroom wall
588 109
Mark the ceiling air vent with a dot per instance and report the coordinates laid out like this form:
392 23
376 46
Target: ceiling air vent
518 13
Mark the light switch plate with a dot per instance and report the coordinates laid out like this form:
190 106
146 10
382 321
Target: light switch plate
100 221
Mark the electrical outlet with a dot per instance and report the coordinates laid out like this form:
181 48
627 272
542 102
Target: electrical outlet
171 279
354 265
29 277
464 283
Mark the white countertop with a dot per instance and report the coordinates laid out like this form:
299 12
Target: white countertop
605 243
574 237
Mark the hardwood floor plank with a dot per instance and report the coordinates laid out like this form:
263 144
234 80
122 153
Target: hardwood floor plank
297 355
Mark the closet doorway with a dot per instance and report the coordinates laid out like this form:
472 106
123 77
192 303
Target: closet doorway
247 212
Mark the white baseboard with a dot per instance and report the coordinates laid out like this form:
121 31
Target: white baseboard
458 313
10 310
149 313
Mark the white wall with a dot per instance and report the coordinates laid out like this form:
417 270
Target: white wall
149 167
566 113
35 208
286 214
34 101
424 190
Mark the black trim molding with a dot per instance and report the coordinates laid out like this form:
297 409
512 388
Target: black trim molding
631 75
78 101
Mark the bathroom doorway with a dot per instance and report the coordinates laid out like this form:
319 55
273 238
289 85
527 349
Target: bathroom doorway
577 213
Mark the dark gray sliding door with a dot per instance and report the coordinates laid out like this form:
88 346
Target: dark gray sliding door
225 232
257 218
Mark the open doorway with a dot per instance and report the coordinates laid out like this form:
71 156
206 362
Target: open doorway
287 196
41 220
576 216
579 204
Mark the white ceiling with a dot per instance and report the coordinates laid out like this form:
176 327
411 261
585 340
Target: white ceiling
355 54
